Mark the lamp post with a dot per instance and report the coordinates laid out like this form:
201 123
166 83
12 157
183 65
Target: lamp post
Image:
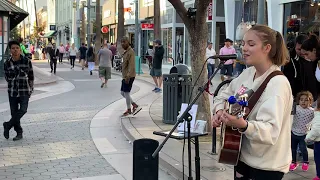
88 23
137 28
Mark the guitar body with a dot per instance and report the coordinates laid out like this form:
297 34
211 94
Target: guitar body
230 139
230 145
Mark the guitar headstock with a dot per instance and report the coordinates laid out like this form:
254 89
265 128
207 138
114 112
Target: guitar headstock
237 106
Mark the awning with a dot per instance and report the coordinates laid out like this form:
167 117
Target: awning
15 13
49 34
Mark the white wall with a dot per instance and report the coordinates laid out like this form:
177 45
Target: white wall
275 15
51 9
229 11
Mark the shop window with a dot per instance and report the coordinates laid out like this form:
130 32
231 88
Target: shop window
300 18
220 8
167 16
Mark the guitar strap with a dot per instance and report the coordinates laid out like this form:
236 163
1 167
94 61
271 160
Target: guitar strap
256 95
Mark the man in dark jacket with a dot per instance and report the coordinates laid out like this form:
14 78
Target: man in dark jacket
294 70
156 70
19 75
54 53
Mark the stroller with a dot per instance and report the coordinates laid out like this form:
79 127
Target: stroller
118 63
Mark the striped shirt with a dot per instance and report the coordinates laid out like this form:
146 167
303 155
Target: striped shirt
19 75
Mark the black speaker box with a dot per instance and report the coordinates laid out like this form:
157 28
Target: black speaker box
145 167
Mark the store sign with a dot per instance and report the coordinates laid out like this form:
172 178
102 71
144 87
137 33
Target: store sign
52 27
146 26
104 29
131 29
210 12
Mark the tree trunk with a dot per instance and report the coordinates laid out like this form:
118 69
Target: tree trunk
198 30
83 26
120 29
98 29
157 22
35 12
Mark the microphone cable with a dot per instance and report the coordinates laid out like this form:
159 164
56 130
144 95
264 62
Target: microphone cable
184 123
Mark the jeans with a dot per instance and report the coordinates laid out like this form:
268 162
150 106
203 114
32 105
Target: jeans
295 140
316 152
210 69
53 65
72 60
60 57
18 107
240 68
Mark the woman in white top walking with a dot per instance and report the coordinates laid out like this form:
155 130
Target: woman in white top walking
73 54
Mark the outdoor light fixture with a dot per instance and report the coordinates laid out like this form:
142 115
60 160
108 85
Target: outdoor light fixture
192 12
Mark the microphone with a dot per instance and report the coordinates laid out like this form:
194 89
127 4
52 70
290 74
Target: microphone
224 57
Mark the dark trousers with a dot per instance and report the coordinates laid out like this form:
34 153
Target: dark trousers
72 60
60 57
295 140
53 65
18 107
249 173
210 69
316 152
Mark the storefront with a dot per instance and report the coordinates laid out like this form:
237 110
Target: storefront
300 17
175 37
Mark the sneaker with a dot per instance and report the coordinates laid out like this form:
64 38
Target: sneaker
136 108
127 113
5 130
305 167
102 85
154 89
293 166
316 178
158 90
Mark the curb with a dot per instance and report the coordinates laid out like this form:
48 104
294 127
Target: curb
39 74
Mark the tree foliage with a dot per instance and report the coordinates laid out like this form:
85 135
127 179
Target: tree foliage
37 30
15 33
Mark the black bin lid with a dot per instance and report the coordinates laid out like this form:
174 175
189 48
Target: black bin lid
180 69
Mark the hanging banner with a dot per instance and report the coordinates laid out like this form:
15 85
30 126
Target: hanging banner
210 14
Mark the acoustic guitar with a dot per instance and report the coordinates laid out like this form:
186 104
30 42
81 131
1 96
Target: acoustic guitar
231 138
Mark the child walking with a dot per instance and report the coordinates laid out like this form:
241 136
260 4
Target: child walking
302 118
314 136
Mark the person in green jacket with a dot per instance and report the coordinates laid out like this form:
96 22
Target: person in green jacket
24 51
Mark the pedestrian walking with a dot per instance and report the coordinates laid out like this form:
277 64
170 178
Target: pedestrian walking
19 75
210 62
128 76
83 50
227 69
73 54
156 70
104 56
54 54
61 53
90 59
48 50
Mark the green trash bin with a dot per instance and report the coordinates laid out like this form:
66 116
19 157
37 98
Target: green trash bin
177 88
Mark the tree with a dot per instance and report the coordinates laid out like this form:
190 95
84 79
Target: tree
98 28
157 22
37 25
37 30
120 29
198 31
15 33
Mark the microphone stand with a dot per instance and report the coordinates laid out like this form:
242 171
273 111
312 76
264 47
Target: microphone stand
187 117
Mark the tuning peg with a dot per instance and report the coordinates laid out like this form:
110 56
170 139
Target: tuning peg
232 100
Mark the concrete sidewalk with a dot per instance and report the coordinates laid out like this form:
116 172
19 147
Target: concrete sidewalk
41 78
